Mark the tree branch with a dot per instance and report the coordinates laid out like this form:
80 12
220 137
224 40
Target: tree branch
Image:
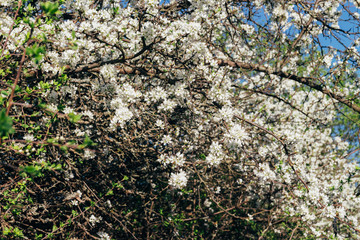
308 81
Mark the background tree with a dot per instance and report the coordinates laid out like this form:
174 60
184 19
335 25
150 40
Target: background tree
179 119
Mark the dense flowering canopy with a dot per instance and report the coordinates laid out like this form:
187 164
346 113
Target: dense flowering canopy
231 108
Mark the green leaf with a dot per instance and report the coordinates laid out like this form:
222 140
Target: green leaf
5 124
18 232
88 141
58 167
32 170
54 228
7 231
35 52
40 236
50 8
74 117
64 148
202 156
51 140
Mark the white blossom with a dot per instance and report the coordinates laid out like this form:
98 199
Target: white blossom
159 123
216 154
68 110
166 139
88 154
178 180
93 220
168 105
207 203
177 160
237 136
88 114
103 236
29 137
109 72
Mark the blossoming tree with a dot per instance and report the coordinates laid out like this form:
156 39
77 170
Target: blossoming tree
180 119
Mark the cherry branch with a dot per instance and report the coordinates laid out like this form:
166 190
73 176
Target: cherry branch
308 81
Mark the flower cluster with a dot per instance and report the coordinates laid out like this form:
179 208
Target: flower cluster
216 154
130 97
176 160
237 136
178 180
